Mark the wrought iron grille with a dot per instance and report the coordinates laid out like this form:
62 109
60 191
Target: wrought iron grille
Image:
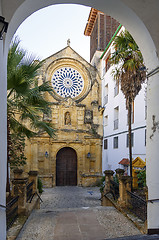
114 189
12 211
138 206
29 190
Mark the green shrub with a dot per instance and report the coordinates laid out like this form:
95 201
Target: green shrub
40 185
102 184
141 179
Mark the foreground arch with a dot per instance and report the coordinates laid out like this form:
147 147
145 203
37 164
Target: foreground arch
140 18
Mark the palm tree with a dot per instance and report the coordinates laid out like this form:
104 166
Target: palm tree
130 72
25 97
26 102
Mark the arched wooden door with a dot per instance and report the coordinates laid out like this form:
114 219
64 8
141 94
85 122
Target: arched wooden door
66 167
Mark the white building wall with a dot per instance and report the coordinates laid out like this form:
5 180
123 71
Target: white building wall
112 156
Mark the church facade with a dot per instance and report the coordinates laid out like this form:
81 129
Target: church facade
74 155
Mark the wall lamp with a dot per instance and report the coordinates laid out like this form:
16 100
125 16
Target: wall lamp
46 154
3 27
101 109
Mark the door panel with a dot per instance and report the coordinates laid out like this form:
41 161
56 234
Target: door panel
66 167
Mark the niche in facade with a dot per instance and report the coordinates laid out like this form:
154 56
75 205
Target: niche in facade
67 118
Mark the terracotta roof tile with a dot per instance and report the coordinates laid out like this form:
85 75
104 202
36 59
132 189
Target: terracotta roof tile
124 161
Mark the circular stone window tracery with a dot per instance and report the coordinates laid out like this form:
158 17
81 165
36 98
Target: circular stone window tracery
67 82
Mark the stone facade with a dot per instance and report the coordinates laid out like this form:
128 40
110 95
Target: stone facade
75 114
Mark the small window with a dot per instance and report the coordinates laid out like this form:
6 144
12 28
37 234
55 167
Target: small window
115 142
116 118
107 63
132 140
106 120
105 143
106 94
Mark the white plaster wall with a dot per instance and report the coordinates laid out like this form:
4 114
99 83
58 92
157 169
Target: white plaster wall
3 145
152 163
3 139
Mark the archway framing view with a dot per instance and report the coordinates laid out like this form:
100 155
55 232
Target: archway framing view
139 18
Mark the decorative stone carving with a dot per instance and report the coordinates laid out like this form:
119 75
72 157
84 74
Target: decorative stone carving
68 42
94 103
88 116
68 102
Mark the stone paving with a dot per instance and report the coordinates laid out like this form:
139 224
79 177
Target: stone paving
74 213
70 197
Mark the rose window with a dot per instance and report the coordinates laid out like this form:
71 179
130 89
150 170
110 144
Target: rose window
67 82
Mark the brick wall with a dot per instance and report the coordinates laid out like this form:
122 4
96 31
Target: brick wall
100 38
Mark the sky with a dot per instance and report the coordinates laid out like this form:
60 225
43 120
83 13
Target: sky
46 31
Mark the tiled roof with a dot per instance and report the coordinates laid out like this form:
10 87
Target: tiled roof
124 161
91 21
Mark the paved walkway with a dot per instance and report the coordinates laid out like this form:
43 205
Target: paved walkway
74 213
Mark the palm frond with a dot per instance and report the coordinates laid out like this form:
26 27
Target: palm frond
46 127
18 127
26 98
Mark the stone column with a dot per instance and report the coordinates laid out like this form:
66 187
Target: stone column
124 186
152 153
34 156
87 160
108 177
98 167
19 189
3 138
33 176
119 172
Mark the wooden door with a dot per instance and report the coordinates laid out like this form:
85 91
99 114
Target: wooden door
66 167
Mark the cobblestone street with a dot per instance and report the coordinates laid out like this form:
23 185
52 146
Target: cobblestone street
74 213
70 197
